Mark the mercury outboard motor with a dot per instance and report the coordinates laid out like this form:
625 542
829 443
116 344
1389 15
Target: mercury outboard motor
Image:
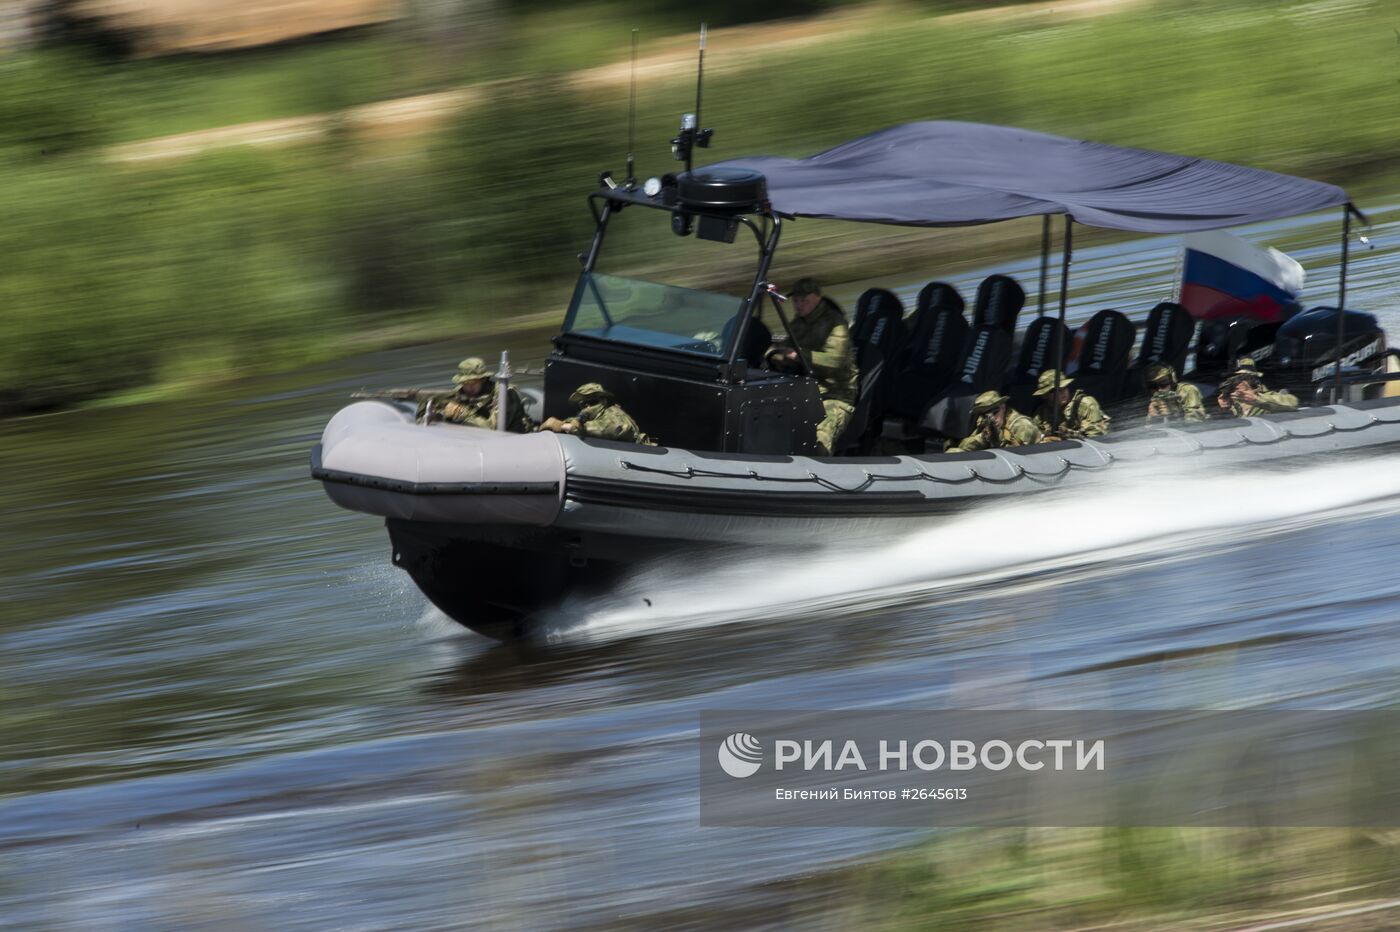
1224 340
1305 349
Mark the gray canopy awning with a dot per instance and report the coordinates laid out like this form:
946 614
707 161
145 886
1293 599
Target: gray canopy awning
945 173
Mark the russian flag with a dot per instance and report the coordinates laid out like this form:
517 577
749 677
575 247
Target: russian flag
1224 276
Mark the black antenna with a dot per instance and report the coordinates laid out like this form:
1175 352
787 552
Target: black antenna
691 134
699 88
632 117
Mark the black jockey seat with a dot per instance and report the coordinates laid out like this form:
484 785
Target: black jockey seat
878 337
877 302
1103 356
1167 337
1037 354
984 361
999 302
985 357
938 332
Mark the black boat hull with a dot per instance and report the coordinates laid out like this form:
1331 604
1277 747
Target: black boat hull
496 581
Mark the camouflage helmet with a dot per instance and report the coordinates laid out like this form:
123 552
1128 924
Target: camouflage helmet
987 401
470 370
1246 365
804 286
1158 372
589 393
1046 383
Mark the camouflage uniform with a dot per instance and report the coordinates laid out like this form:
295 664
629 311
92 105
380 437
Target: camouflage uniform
826 341
1182 399
1080 417
1016 430
1266 402
602 417
478 410
481 410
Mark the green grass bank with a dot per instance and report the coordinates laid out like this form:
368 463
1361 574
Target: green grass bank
133 279
1127 879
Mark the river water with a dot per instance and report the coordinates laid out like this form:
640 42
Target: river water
222 705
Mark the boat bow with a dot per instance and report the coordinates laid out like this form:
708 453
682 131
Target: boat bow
373 457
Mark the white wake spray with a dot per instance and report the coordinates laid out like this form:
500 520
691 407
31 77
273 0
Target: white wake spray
1113 521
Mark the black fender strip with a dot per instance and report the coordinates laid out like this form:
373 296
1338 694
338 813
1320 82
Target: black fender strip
754 502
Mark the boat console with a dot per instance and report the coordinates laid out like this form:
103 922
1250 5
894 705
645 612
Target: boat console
686 363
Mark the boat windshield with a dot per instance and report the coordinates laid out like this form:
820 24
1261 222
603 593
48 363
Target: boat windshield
633 310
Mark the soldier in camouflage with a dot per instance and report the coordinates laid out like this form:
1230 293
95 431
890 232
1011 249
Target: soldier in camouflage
1080 415
1243 393
995 424
1172 401
819 328
599 416
474 401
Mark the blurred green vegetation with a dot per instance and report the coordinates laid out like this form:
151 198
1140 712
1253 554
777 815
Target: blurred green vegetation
146 98
1120 878
46 108
118 279
123 277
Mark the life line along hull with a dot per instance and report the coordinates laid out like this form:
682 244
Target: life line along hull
373 458
495 526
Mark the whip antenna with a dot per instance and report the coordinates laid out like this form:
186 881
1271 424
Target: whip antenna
632 117
699 87
692 134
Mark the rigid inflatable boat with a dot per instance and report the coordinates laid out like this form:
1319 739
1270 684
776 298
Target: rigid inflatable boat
495 527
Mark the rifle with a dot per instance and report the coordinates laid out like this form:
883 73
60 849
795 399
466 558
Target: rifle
990 433
1171 399
422 399
1225 396
1232 382
400 394
1235 381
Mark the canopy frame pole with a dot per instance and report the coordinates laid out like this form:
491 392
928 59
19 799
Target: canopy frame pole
1044 259
1342 297
787 328
753 307
1060 331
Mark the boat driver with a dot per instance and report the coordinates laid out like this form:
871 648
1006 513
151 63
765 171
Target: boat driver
1079 415
1243 393
1171 400
819 328
474 401
599 416
996 424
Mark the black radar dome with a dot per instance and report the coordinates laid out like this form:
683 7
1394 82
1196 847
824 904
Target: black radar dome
728 189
